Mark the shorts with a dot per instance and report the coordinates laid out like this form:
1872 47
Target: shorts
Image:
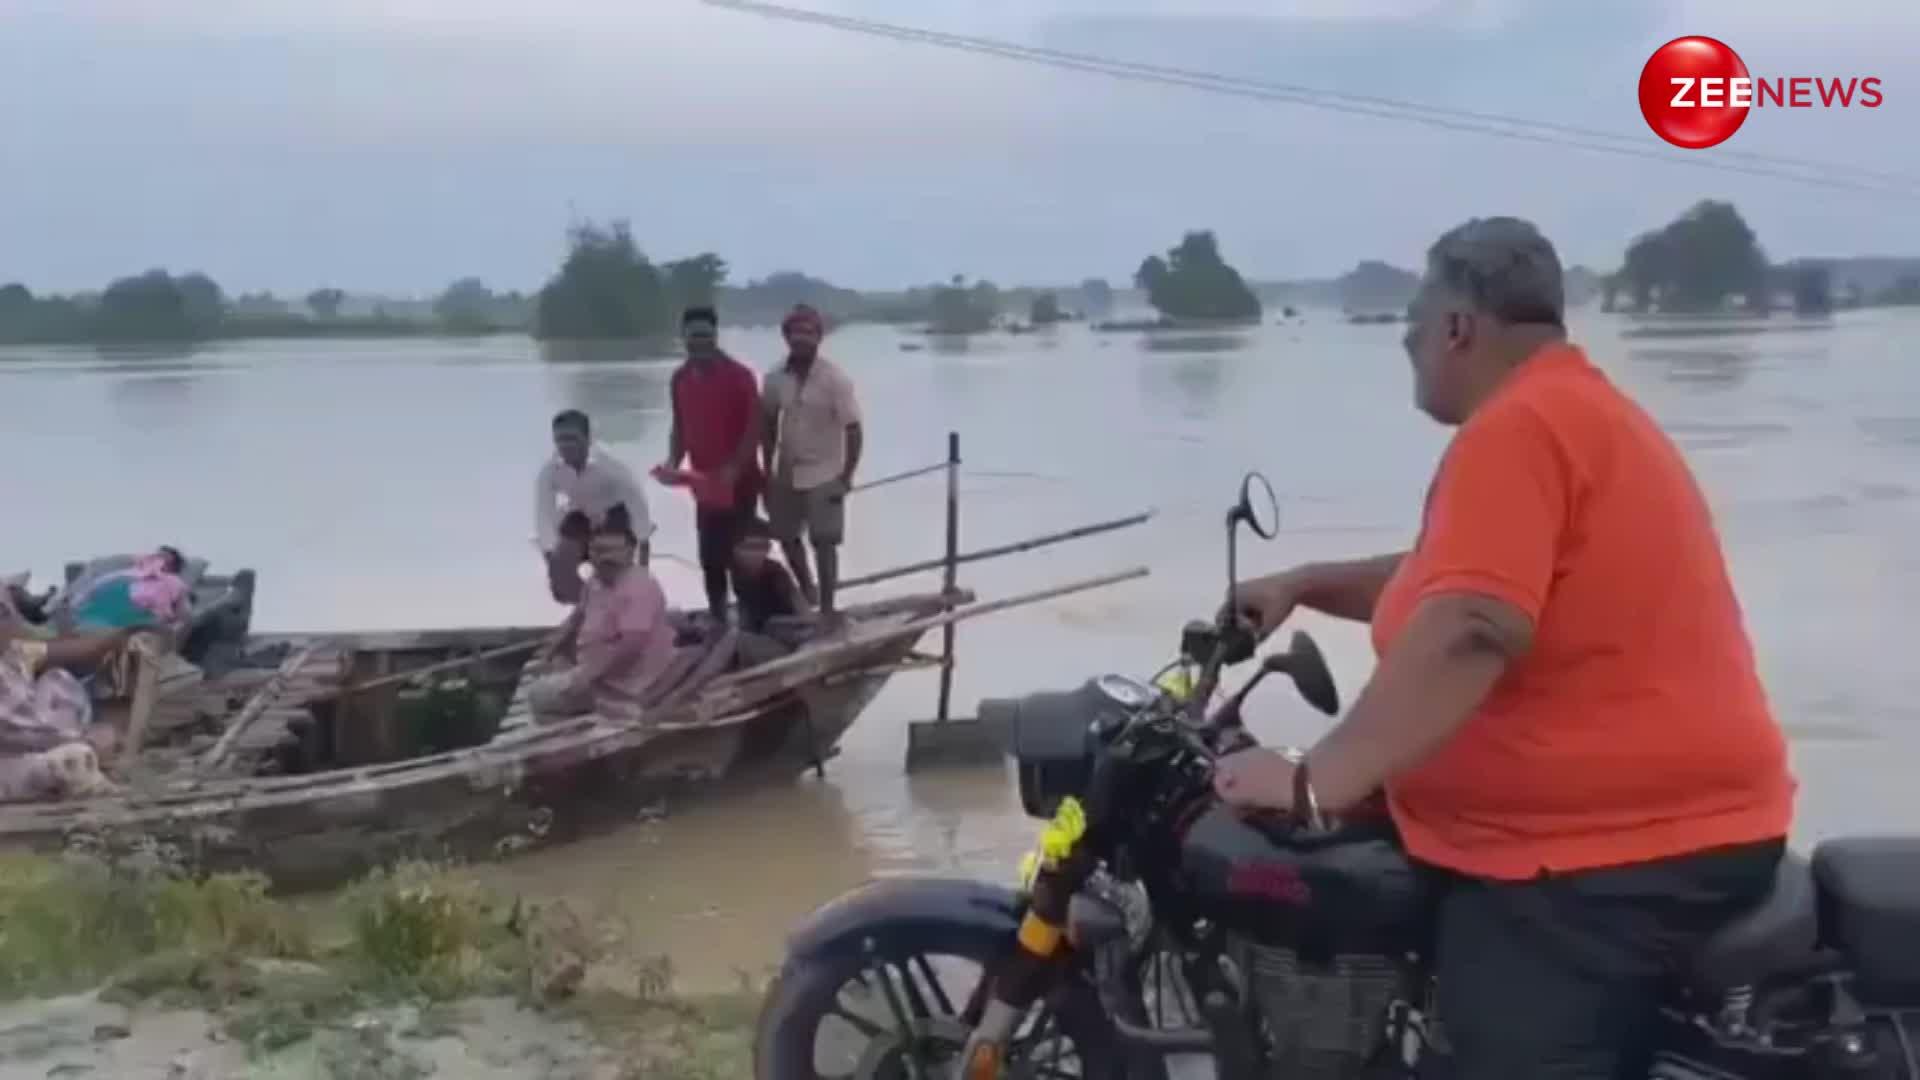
821 512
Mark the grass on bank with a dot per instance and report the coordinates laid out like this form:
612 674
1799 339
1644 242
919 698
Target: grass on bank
276 974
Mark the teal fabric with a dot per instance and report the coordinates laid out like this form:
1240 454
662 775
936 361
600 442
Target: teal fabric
109 606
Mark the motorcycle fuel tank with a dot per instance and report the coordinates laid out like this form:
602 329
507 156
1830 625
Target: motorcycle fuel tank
1350 890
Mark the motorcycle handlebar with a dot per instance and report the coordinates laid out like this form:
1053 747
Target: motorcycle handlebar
1234 639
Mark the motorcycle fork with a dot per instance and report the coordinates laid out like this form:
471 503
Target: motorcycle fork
1025 974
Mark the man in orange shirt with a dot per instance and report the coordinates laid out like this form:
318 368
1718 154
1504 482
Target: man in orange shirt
1566 716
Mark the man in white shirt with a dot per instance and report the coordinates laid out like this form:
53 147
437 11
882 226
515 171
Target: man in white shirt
573 493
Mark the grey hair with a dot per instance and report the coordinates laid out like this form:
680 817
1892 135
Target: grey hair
1502 266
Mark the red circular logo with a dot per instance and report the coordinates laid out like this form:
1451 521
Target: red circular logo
1695 92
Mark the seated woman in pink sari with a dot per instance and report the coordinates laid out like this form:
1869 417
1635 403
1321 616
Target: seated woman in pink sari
619 638
49 745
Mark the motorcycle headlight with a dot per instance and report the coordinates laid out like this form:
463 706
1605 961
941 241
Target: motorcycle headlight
1052 735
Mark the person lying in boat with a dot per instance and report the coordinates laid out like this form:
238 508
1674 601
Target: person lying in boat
49 745
150 593
618 639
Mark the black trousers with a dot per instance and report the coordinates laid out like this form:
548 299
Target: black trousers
718 530
1561 977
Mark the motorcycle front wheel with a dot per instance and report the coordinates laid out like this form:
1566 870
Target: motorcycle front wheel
878 1015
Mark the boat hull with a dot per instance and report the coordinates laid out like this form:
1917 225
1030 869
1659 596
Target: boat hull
538 785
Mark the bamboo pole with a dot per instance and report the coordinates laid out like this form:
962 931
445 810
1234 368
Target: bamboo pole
257 704
1004 549
818 657
897 477
949 578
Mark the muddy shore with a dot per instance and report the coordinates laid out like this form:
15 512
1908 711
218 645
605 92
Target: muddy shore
117 971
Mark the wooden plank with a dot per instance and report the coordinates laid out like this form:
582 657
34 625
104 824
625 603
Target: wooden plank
1004 549
400 640
454 664
146 693
257 704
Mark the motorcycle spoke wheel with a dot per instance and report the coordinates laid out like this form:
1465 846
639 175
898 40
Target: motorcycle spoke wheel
896 1019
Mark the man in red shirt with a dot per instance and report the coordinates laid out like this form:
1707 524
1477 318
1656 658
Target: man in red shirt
716 425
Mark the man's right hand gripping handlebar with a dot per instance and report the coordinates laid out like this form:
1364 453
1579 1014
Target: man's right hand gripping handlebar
1235 639
1263 602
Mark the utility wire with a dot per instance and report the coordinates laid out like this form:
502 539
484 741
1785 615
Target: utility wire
1543 132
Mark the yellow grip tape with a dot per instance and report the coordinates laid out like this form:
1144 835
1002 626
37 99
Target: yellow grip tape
1038 936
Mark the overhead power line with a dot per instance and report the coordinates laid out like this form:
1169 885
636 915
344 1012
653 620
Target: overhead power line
1779 167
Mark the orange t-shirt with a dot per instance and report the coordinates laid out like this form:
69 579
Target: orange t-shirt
1635 727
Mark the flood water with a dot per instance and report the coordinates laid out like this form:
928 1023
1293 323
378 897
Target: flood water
388 484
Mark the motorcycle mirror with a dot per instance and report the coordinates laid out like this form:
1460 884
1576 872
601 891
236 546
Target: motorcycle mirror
1258 507
1307 667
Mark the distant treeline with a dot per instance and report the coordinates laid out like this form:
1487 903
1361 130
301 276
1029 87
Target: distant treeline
1707 260
609 289
159 307
605 289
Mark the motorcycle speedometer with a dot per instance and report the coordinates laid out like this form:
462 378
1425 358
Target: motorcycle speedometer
1124 692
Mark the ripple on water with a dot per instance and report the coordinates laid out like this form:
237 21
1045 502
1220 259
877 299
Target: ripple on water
1708 435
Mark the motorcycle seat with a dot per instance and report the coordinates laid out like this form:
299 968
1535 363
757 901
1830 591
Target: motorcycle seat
1780 930
1869 889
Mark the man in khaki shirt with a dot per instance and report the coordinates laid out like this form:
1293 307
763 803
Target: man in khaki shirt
812 448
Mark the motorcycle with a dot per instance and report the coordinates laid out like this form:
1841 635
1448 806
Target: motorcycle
1294 951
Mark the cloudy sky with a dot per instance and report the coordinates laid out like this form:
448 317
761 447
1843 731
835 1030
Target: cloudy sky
397 144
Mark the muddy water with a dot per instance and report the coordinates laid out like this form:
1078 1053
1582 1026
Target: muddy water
386 484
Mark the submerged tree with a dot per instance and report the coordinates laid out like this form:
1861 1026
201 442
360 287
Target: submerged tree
605 290
957 308
1904 292
1696 262
1375 286
326 303
466 307
696 281
156 306
1812 290
1194 282
1096 297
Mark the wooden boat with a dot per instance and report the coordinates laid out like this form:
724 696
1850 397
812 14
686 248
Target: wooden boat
384 767
314 757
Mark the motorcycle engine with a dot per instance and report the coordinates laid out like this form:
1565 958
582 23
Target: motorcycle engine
1322 1022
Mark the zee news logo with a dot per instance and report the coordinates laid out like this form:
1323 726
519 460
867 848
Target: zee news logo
1696 92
